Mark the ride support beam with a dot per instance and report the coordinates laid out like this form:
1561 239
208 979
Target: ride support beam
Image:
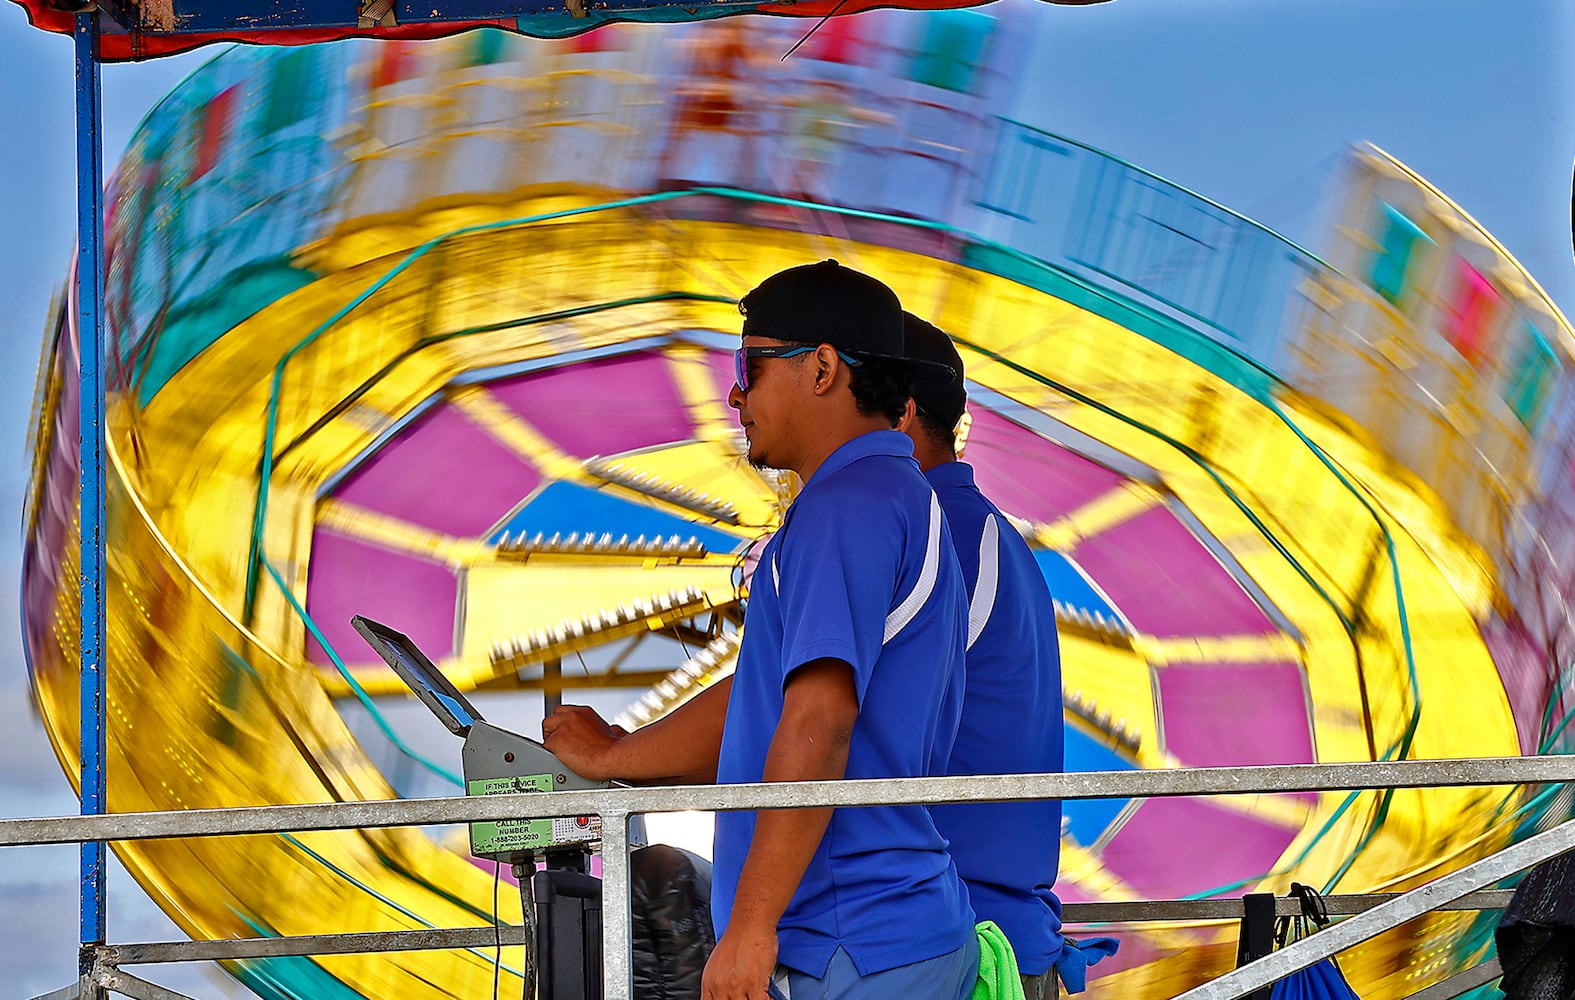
90 342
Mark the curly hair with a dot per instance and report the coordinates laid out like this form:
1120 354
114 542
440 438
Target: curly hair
940 435
882 387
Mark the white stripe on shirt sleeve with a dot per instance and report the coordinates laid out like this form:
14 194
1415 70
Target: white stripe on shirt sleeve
909 608
983 600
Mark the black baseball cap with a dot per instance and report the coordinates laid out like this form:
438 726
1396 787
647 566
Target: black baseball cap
926 343
826 303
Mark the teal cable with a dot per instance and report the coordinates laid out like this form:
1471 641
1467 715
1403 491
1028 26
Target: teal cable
1191 453
355 685
1386 799
1197 458
341 873
1394 570
1289 867
1551 738
555 316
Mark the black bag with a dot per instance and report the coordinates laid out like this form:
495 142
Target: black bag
671 934
1536 937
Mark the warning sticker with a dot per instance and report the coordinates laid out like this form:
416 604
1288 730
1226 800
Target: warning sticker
507 836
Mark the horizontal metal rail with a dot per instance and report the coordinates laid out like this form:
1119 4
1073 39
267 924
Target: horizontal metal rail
1460 982
509 935
1138 911
623 802
364 943
616 805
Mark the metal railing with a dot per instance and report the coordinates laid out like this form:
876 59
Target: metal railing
1371 915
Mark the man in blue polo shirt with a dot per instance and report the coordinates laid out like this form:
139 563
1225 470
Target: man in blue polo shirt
1011 721
851 666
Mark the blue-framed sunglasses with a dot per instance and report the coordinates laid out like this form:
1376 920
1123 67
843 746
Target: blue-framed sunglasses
742 356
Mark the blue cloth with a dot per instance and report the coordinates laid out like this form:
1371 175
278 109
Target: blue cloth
947 977
1006 852
1077 956
1319 981
864 549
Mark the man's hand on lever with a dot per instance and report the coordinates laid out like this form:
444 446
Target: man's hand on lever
583 740
680 748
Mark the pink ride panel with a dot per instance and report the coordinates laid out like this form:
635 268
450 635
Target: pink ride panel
1165 581
412 477
350 577
601 407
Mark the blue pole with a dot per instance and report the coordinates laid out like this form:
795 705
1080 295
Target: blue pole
90 339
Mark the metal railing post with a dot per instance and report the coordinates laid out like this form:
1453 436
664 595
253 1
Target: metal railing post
617 948
90 344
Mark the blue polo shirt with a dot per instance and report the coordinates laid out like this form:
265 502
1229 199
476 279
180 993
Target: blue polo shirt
1011 724
862 570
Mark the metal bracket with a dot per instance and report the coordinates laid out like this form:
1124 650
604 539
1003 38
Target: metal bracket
128 985
107 977
377 14
103 978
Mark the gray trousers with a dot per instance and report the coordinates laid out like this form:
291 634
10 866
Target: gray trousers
1041 987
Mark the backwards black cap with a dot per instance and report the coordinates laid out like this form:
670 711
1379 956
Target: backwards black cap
925 343
826 303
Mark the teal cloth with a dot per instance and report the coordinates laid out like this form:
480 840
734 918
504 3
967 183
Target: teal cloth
998 975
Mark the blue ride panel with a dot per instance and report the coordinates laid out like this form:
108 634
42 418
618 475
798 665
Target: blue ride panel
1069 586
1088 819
566 509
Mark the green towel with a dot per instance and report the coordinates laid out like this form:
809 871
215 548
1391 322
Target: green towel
998 976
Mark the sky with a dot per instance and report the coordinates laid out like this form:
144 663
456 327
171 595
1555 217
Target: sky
38 886
1248 103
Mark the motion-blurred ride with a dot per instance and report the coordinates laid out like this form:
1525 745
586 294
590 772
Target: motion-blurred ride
437 332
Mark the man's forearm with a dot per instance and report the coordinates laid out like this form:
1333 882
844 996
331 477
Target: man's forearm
682 747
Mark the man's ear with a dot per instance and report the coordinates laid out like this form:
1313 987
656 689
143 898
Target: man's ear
910 413
827 363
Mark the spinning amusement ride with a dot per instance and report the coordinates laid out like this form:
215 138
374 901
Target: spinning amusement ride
438 332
